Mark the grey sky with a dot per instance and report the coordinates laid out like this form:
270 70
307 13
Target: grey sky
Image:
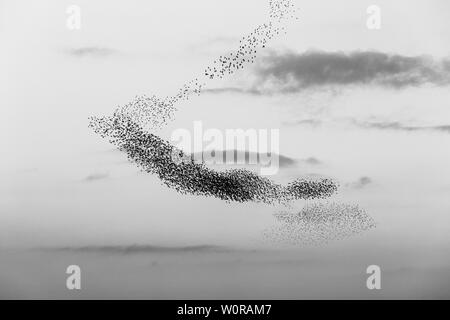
47 95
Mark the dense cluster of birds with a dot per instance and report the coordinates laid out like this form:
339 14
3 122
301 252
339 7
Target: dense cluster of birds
182 173
319 223
153 112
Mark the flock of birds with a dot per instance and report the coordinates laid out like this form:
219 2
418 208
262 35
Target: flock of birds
245 54
181 172
319 223
126 128
130 125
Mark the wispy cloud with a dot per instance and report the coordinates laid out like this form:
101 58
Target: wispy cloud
304 122
232 90
96 176
372 124
387 125
290 72
360 183
312 161
132 249
93 51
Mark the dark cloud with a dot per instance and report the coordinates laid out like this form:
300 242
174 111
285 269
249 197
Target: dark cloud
292 72
96 176
91 52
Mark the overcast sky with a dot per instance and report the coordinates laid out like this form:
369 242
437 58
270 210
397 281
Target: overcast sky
60 183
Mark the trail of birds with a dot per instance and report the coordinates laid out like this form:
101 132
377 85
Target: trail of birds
319 223
182 173
128 128
153 112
